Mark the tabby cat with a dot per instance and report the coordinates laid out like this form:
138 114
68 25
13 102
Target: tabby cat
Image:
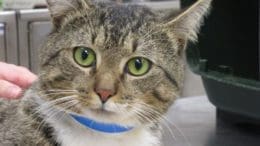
109 72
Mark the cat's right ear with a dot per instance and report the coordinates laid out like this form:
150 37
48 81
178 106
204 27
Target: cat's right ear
59 9
185 26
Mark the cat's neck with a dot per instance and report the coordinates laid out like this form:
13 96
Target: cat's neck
70 133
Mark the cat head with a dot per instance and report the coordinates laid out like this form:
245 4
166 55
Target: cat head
114 62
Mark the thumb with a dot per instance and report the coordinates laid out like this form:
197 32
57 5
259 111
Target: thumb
9 90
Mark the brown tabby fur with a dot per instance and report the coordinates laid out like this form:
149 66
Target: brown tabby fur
116 33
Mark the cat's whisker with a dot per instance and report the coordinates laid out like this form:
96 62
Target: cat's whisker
61 90
149 109
60 93
56 92
55 101
52 112
59 104
71 104
142 114
124 111
169 129
152 121
166 126
48 105
44 121
164 118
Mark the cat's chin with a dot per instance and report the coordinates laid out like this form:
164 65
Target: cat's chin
100 114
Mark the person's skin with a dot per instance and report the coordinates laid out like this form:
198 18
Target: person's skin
13 80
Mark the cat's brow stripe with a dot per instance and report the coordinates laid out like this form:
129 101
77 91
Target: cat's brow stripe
123 38
93 39
134 46
52 56
169 77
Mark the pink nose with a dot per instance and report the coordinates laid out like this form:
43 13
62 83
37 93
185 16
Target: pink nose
104 94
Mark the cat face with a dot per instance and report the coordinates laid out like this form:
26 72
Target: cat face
114 63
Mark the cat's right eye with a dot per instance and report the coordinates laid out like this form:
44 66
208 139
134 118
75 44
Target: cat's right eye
84 56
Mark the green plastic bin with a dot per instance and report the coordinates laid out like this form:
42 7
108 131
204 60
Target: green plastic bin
227 56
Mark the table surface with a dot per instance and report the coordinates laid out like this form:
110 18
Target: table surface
192 122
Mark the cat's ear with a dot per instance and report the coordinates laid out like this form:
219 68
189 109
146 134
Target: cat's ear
60 8
186 25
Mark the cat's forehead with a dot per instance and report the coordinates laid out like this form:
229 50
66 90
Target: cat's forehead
115 26
118 19
118 12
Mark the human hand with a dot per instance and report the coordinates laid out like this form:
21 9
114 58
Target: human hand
13 79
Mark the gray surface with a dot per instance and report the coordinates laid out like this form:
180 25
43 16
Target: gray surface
2 42
193 123
25 19
192 84
38 32
9 37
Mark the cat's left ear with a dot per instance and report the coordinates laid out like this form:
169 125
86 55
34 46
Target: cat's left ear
186 25
61 8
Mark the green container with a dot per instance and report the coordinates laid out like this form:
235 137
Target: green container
1 4
227 56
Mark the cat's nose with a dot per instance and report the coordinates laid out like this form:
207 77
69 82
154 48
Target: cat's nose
104 94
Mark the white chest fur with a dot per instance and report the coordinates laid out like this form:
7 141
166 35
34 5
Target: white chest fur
70 133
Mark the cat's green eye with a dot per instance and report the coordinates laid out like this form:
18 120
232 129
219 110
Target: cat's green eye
84 56
138 66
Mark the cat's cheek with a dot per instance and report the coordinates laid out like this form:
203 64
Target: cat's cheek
167 92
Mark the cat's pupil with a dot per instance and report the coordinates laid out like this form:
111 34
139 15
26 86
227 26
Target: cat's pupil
138 64
84 54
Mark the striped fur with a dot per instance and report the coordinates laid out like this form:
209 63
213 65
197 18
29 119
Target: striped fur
116 33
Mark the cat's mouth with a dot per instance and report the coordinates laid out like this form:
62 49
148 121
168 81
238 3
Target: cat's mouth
102 111
97 111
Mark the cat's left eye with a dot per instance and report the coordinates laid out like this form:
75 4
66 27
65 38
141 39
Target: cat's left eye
138 66
84 56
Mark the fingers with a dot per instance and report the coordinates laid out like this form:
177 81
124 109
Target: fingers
13 79
19 76
9 90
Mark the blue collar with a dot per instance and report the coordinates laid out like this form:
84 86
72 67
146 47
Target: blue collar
99 126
